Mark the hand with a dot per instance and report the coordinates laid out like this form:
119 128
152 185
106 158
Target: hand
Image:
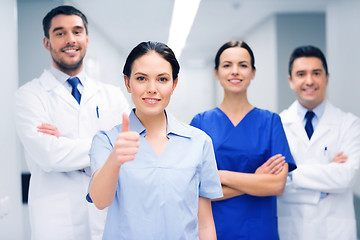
273 165
126 145
340 158
49 129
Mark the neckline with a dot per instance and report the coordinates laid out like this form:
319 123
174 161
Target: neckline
248 113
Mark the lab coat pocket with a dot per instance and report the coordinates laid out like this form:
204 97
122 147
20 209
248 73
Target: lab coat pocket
52 217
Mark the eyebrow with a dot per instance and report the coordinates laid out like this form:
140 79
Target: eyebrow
239 62
61 28
161 74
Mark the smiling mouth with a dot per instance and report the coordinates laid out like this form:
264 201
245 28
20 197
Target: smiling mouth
310 89
235 80
70 49
151 100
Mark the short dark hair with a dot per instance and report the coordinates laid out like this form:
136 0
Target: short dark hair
65 10
232 44
307 51
145 47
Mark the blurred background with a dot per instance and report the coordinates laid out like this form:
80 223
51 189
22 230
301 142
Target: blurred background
272 28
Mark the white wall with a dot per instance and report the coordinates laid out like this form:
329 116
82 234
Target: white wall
262 92
343 48
10 194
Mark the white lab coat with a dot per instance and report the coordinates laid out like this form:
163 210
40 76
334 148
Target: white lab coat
57 205
303 213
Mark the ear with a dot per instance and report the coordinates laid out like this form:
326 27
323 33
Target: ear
291 83
46 43
127 84
327 79
253 74
216 73
174 85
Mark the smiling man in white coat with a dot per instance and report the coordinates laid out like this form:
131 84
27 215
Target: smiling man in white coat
57 116
325 142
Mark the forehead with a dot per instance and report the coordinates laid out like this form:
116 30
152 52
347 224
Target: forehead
152 62
307 63
66 21
235 54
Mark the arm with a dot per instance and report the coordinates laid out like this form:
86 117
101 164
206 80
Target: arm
255 184
104 182
48 152
273 165
206 221
340 173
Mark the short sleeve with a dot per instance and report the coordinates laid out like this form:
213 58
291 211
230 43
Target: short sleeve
99 152
196 121
279 143
210 186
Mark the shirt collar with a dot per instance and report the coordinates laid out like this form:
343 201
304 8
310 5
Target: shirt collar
63 77
174 127
319 110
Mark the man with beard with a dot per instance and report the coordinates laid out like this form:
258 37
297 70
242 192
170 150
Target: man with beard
57 115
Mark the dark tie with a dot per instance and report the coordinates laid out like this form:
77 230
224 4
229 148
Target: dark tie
75 91
308 126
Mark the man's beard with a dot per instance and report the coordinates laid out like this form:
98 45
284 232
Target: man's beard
65 67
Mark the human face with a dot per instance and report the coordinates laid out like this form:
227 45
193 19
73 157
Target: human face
151 84
67 43
235 71
309 81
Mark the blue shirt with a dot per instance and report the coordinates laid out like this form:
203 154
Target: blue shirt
244 148
157 196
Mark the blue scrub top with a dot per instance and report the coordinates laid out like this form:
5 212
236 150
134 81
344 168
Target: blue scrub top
244 148
157 196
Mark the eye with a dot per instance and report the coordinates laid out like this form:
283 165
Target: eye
59 34
317 73
163 79
140 78
300 74
243 65
226 65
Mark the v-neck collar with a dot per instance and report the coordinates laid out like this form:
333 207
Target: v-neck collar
228 119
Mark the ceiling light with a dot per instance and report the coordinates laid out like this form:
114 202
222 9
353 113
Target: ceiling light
182 19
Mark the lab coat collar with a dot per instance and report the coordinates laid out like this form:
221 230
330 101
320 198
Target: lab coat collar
291 118
50 83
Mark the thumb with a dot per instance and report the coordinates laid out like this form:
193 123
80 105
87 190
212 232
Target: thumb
125 123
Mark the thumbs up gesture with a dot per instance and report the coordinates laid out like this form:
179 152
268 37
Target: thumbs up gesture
126 145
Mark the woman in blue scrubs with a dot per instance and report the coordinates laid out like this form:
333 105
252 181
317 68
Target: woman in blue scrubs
156 174
251 149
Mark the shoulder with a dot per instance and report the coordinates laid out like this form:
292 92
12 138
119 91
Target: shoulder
209 115
187 130
265 116
342 117
31 89
107 136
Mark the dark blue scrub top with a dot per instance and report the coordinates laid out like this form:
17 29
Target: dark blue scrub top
244 148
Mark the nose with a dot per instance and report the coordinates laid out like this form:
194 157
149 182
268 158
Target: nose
70 38
235 70
152 87
309 80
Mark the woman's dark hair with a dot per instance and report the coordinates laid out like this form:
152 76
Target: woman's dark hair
232 44
158 47
307 51
65 10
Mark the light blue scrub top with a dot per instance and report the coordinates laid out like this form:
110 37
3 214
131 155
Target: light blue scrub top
157 196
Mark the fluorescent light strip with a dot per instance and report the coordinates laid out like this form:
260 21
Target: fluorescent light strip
182 20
